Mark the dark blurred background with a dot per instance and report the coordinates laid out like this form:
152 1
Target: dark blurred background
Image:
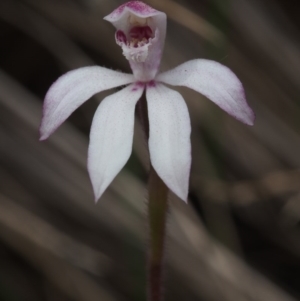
237 239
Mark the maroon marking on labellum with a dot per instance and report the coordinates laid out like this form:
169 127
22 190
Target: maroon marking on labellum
121 37
141 32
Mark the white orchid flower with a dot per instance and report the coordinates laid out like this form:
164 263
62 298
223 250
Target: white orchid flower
140 32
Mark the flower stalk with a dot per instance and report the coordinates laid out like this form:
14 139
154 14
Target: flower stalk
157 217
157 210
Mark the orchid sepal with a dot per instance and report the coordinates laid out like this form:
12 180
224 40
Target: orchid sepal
215 81
72 89
111 136
169 137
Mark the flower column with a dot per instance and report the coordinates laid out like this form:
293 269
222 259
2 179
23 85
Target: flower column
141 33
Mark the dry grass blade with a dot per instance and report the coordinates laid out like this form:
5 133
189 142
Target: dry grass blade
45 237
187 18
228 276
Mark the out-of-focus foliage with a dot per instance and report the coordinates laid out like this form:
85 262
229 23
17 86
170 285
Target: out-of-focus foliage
239 237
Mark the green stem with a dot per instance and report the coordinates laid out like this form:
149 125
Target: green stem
157 210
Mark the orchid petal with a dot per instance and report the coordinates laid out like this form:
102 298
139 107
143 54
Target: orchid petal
169 137
111 137
72 89
216 82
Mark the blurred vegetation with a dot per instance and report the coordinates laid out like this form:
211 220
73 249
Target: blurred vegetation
239 237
